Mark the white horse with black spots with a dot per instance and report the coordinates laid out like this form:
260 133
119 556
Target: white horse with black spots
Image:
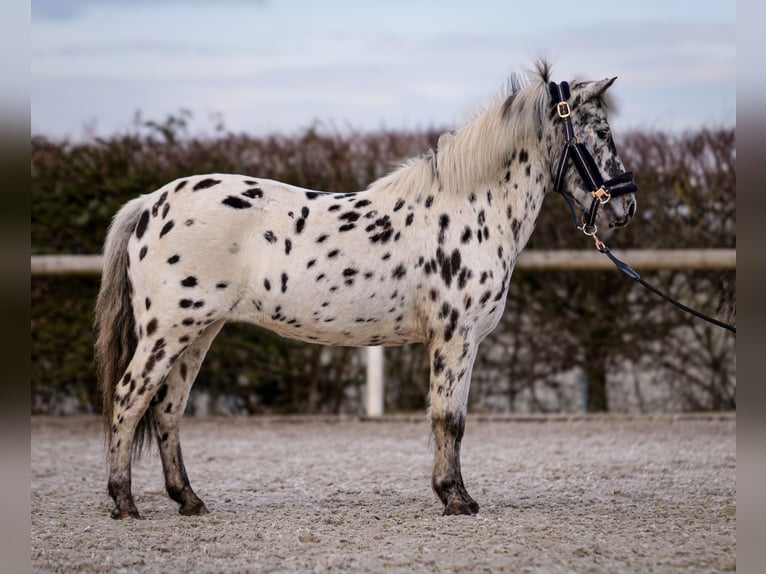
425 254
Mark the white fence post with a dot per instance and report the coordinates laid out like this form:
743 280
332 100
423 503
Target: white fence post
374 381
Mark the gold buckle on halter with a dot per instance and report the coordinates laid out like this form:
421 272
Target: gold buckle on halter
600 193
563 109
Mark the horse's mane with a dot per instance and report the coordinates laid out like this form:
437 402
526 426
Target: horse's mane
473 155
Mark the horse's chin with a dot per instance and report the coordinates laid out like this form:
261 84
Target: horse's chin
619 223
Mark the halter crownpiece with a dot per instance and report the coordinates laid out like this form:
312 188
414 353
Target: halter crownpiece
601 191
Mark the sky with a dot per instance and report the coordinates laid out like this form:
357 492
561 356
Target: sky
280 66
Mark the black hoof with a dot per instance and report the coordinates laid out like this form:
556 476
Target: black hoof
461 508
120 513
197 508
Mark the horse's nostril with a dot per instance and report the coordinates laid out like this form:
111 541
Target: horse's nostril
632 209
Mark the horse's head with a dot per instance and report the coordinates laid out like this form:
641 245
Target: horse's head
599 186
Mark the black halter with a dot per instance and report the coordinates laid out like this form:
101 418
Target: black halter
601 191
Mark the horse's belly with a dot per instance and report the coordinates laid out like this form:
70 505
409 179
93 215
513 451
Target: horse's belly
350 329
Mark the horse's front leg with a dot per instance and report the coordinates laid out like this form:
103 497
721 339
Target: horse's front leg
451 365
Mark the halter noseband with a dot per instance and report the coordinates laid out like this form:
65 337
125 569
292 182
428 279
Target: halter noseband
601 191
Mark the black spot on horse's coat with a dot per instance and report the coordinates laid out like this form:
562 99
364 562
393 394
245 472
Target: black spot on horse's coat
466 236
184 339
236 202
221 285
311 263
165 210
450 265
399 205
267 284
347 227
183 370
398 272
180 185
185 303
383 236
333 253
312 195
489 197
188 321
485 297
429 201
410 218
270 237
162 392
304 212
362 203
300 223
253 193
288 246
386 256
465 275
168 408
284 282
205 183
523 156
472 198
449 330
322 238
335 207
167 227
515 227
349 216
142 223
509 212
528 170
198 304
142 253
349 273
160 201
190 281
443 225
151 327
148 303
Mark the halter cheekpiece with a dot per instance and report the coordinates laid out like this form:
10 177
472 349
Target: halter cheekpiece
601 191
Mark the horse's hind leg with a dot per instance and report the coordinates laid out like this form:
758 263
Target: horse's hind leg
168 408
151 362
451 365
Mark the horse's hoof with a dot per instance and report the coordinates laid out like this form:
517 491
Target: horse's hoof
120 513
461 508
195 509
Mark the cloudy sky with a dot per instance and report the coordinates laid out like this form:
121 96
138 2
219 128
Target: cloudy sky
280 65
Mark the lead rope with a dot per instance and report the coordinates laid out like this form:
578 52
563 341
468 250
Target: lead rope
633 274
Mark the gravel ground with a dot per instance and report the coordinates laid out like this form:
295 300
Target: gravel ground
557 494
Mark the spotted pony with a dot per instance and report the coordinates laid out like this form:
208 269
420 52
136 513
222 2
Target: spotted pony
424 254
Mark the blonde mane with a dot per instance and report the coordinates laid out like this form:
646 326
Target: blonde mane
473 155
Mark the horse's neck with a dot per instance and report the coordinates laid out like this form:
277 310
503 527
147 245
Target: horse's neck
524 179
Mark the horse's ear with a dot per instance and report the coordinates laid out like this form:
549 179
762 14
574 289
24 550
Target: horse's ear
591 90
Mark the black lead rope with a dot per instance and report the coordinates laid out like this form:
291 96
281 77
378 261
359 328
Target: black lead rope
633 274
601 191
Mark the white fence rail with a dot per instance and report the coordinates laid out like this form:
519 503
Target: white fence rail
559 259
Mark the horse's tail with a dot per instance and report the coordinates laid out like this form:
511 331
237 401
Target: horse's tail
114 322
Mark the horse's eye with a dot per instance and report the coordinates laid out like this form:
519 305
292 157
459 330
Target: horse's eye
603 134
